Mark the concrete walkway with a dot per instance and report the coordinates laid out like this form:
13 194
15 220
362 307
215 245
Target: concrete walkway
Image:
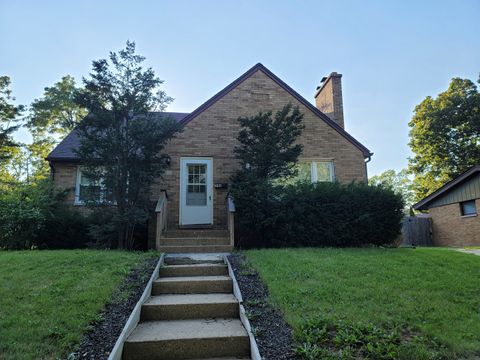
191 314
471 251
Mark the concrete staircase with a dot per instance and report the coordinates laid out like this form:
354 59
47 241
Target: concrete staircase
191 314
195 241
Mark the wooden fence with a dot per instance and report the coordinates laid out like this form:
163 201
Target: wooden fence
417 231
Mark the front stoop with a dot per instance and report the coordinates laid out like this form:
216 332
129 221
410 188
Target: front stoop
191 314
195 241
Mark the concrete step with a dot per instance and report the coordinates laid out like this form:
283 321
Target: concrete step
194 270
196 249
192 285
196 233
187 339
190 306
191 259
194 241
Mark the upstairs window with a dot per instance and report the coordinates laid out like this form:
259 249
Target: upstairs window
315 171
468 208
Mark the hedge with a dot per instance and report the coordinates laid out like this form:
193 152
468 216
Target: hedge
322 214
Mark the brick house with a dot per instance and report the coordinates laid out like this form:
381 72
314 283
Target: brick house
454 210
195 187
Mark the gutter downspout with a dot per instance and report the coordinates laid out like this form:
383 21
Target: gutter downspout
366 169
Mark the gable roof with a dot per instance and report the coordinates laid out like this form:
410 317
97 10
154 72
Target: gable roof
423 204
64 151
281 83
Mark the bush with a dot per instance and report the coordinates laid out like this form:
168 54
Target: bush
322 214
34 215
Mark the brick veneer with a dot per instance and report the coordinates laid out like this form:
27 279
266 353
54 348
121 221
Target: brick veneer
451 229
213 134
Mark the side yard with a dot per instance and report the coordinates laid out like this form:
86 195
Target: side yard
430 297
49 298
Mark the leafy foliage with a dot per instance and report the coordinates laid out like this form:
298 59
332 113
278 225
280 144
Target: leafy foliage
321 214
8 116
400 182
267 147
121 139
326 339
445 136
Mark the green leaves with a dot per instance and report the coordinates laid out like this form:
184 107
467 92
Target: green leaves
122 140
267 145
445 136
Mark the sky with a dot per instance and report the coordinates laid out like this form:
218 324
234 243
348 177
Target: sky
392 54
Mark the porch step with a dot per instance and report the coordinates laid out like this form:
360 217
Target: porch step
194 270
187 339
190 306
192 285
193 259
196 249
196 233
194 241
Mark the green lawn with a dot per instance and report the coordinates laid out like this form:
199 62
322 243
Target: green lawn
436 292
48 298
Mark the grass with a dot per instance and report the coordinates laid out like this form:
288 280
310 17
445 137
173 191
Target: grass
433 292
48 298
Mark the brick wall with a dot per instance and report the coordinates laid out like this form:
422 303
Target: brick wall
451 229
64 178
213 134
329 98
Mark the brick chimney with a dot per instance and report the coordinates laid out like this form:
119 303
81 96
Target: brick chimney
328 97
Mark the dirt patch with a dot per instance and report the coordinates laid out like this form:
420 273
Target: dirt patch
98 342
274 336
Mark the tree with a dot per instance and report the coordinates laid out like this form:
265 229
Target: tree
267 151
445 136
8 116
400 182
267 147
53 115
121 139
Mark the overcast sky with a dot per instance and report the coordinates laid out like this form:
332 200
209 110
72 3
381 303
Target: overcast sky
392 54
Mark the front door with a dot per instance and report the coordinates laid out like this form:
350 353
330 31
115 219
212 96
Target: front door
196 204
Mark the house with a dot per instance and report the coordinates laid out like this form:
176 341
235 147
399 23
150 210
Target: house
454 210
195 187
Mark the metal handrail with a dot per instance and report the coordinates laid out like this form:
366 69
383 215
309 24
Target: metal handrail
161 210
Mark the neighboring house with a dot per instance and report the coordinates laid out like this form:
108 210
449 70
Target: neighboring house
202 157
454 210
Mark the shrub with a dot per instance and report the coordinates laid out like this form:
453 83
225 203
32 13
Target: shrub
322 214
34 215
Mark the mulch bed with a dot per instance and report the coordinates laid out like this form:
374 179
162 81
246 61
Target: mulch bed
274 336
99 341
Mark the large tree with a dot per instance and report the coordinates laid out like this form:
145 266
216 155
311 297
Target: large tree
9 114
121 139
398 181
51 117
445 136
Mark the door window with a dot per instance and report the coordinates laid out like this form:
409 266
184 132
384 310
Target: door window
196 185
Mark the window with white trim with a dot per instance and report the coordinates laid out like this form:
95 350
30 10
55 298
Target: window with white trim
87 189
315 171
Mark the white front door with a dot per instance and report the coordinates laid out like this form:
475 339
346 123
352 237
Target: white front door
196 183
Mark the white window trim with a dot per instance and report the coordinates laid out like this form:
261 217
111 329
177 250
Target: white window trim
77 201
313 168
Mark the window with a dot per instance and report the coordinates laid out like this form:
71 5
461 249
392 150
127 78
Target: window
88 190
468 208
314 171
